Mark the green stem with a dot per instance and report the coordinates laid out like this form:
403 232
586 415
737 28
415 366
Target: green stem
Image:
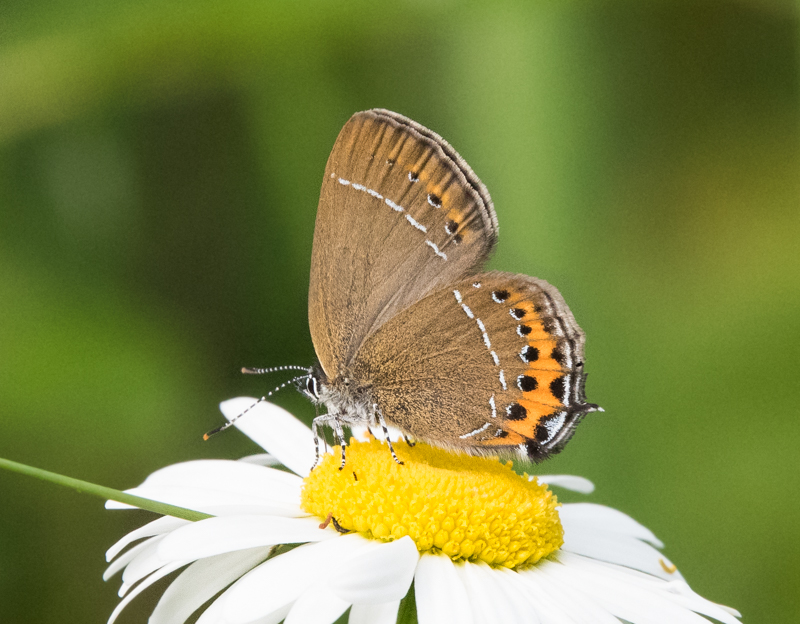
100 491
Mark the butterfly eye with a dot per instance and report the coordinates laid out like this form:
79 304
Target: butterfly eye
312 388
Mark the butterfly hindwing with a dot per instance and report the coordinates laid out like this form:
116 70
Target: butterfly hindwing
400 214
490 363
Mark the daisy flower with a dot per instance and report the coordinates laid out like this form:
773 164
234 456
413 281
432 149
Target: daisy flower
479 542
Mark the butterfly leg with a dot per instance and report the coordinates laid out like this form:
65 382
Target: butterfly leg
337 427
314 425
386 433
408 440
335 423
320 420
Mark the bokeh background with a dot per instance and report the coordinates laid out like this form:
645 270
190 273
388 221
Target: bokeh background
160 165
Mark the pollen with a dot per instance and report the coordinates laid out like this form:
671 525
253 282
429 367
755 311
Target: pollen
468 508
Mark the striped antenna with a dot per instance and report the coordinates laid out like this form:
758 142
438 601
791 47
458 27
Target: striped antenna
222 428
264 371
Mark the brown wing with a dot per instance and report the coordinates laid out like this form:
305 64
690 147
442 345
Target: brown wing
400 214
487 364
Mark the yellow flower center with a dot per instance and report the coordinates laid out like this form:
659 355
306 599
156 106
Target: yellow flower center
472 508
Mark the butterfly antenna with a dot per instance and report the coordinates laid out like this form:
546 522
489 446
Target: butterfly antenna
264 371
222 428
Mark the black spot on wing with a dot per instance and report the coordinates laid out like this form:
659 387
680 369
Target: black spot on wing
557 387
529 354
515 411
527 383
542 434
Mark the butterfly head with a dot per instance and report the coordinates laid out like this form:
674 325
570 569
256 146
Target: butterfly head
344 396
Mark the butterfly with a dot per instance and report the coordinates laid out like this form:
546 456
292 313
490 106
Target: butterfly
408 330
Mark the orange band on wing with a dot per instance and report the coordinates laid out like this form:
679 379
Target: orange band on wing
545 360
527 426
543 393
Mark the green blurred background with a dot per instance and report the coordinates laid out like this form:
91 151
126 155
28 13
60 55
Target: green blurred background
160 165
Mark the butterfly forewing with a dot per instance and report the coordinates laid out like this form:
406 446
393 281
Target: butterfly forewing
489 363
400 215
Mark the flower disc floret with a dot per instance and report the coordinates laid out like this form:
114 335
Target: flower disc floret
471 508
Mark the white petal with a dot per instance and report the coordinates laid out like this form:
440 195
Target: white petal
382 573
142 586
440 594
230 476
228 481
480 603
384 613
629 595
281 580
360 432
620 550
568 482
156 527
215 536
546 607
674 591
685 596
505 586
489 602
316 605
552 607
275 430
589 517
261 459
561 602
211 501
124 559
213 615
220 487
144 563
200 581
728 610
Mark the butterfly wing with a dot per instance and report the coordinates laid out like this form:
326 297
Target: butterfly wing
487 364
400 214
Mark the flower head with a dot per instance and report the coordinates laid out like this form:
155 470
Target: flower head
468 508
481 543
